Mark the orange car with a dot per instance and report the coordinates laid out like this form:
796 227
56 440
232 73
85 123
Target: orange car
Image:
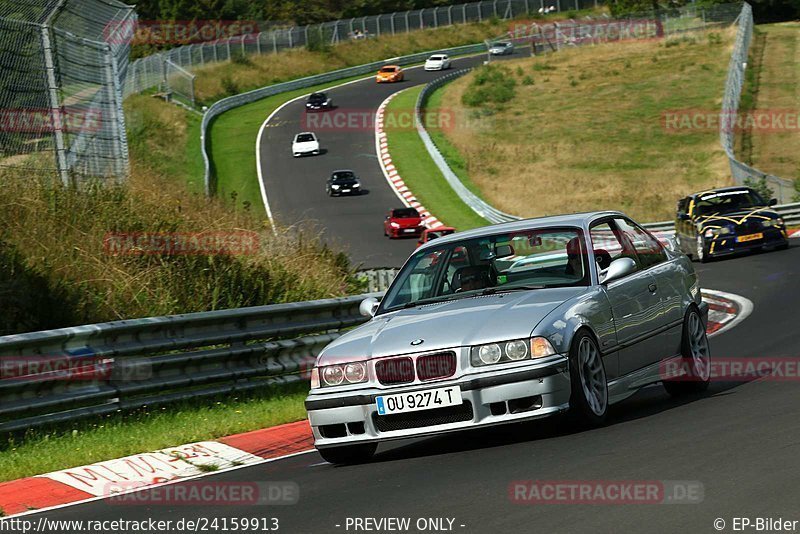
430 234
390 73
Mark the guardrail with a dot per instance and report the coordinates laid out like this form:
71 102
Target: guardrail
65 375
478 205
94 370
226 104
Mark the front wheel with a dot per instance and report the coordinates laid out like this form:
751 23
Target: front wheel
349 454
696 358
589 397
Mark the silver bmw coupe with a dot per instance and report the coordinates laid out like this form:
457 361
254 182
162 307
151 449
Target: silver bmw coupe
508 323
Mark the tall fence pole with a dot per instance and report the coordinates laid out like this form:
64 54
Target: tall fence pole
55 107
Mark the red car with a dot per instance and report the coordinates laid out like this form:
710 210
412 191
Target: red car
402 222
429 234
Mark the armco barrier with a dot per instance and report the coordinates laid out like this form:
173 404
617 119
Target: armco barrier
71 373
235 101
472 200
126 365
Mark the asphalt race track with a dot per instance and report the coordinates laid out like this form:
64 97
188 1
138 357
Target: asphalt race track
740 440
296 186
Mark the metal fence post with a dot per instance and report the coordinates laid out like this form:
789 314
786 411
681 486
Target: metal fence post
55 106
408 25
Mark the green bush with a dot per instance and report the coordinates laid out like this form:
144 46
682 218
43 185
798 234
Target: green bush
230 86
761 186
490 84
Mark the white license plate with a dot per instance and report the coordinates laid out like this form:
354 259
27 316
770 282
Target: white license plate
418 400
409 230
345 190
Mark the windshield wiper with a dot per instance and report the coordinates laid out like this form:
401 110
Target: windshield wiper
501 289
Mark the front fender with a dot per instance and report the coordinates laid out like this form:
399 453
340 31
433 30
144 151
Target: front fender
591 311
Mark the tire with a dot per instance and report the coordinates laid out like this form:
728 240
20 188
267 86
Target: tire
349 454
588 403
696 358
783 246
700 250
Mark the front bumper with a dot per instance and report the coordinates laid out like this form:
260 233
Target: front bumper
298 153
535 391
724 245
401 232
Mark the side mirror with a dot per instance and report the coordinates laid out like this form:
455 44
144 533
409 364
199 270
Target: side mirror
772 201
368 307
619 268
503 251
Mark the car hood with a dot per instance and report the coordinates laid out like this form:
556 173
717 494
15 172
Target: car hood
456 323
738 216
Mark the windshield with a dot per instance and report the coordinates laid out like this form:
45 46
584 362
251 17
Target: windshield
305 138
343 176
317 97
435 58
388 69
724 201
531 259
406 213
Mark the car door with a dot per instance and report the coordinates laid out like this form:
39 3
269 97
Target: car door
635 307
669 285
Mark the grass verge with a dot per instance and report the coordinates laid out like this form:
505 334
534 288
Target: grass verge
772 87
586 129
418 170
120 435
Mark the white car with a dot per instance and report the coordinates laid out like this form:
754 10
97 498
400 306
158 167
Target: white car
502 48
437 62
305 143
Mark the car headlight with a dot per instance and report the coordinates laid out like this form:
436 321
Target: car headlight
356 184
511 351
334 186
768 223
337 375
394 225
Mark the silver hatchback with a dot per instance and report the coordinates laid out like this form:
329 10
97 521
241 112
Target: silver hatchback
512 322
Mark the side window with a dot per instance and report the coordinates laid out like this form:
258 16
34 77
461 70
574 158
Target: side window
649 251
606 245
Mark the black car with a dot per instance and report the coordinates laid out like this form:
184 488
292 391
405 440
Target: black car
726 221
318 101
343 183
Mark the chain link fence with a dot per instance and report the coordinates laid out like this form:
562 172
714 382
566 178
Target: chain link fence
64 64
782 188
149 72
